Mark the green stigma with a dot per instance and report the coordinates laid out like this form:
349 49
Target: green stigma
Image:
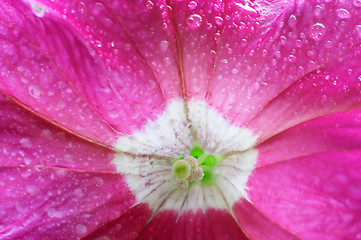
181 169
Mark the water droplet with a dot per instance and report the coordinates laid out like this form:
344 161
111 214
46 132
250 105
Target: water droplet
358 30
164 45
246 6
343 13
194 21
32 190
81 229
27 161
328 44
357 3
54 214
98 181
318 10
317 31
98 43
283 40
78 192
217 37
149 5
135 112
45 133
292 21
113 113
264 53
98 8
34 91
219 21
25 142
81 7
192 5
291 58
244 42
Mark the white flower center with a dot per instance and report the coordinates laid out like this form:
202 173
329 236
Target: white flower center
187 183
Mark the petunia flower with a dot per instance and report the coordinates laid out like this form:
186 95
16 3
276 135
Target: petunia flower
178 119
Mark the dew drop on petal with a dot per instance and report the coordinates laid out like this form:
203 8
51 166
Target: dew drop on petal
219 21
98 8
318 10
27 161
291 58
164 45
149 5
244 42
292 21
194 21
264 53
81 229
358 30
283 40
78 192
25 142
357 3
34 91
343 13
192 5
317 31
98 181
113 113
81 7
328 44
54 213
32 190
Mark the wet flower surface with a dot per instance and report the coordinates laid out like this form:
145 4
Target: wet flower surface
146 119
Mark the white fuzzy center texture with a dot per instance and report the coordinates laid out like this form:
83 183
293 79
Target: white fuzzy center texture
145 159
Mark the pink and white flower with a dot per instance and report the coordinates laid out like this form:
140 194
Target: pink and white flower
102 102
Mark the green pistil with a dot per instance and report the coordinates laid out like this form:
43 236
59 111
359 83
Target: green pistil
204 160
196 151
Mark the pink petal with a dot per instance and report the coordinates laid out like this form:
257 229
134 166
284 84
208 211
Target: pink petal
135 48
38 66
263 62
333 132
27 140
314 197
333 88
211 224
127 226
248 60
204 28
306 179
256 225
97 91
52 203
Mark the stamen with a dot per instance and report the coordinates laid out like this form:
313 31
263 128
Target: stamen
182 184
